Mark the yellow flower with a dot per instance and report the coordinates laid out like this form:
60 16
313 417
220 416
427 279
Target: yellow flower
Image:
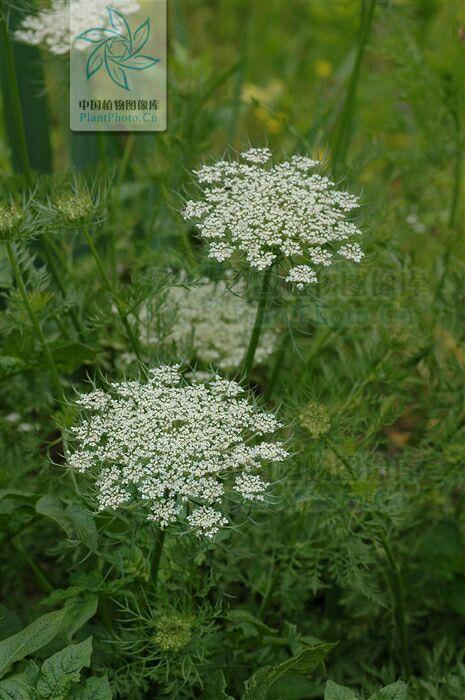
275 124
259 93
323 68
261 114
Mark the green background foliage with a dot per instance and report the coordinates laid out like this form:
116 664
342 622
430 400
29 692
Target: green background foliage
348 583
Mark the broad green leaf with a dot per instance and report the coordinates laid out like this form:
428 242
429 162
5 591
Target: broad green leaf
395 691
306 661
20 686
83 526
15 498
9 622
216 689
63 668
75 521
30 639
60 595
333 691
292 687
93 689
79 613
249 625
15 689
52 508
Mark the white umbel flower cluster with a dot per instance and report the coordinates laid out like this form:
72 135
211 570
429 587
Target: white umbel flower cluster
270 211
212 319
173 445
51 26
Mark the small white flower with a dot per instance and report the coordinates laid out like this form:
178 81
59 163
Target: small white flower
267 211
302 275
52 25
167 443
211 319
257 155
250 486
206 521
351 251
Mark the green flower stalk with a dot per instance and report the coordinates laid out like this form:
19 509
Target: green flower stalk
257 328
32 316
342 139
13 93
271 215
132 337
53 267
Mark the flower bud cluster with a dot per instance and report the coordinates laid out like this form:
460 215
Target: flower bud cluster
269 212
182 449
315 419
173 632
75 209
11 218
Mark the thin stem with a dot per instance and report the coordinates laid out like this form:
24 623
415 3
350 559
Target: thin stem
34 320
341 142
59 254
458 169
454 206
270 586
185 240
128 146
281 354
156 557
12 83
60 284
41 579
278 363
107 283
399 606
255 337
341 457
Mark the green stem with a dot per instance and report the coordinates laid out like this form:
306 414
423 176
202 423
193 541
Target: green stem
59 254
454 206
13 90
278 363
458 170
341 142
270 586
255 337
34 320
107 283
399 607
60 284
341 457
156 557
185 240
128 146
41 579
